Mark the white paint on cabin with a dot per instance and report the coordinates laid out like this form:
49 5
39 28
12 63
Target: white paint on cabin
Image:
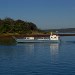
30 38
42 38
54 37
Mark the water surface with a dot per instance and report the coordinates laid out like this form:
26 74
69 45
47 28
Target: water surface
38 58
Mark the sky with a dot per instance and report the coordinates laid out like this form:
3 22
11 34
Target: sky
46 14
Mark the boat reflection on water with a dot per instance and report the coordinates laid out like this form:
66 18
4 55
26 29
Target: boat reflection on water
40 50
27 47
54 51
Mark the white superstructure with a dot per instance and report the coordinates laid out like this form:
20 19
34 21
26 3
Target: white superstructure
54 37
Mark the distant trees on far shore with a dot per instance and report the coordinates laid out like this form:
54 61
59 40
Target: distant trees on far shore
9 25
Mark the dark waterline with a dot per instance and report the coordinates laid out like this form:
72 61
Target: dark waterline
38 58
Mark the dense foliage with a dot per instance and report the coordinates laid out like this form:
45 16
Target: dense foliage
9 25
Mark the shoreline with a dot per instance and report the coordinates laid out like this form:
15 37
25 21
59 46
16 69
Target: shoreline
29 35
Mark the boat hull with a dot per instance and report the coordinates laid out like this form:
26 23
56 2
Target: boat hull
35 41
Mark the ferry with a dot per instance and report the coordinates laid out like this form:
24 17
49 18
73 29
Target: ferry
51 38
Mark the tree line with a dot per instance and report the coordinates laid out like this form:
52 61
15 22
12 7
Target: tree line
8 25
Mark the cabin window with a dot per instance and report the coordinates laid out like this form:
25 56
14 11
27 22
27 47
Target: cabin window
27 38
24 37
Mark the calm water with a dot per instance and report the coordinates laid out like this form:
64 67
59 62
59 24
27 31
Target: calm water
38 58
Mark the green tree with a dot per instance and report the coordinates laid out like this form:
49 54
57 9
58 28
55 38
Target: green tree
9 25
